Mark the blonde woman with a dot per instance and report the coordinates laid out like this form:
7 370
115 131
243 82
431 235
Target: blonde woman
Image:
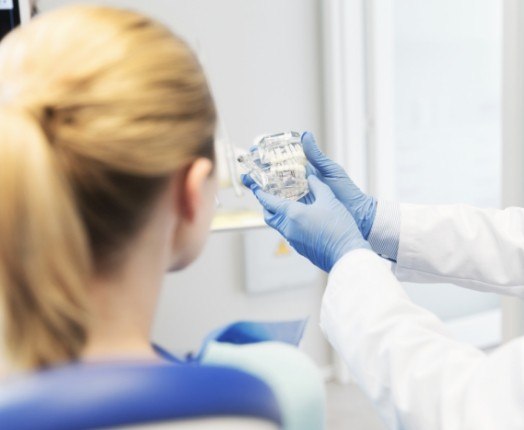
107 180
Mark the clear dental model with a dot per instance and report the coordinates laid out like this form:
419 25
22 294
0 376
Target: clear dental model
278 164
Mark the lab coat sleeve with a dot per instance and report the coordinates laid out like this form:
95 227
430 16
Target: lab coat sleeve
482 249
404 359
385 232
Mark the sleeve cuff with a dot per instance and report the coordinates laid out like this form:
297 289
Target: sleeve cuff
385 233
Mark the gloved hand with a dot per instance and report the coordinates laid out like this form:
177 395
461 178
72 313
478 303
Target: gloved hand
322 231
360 205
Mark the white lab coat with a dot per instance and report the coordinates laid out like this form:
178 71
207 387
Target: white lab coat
417 375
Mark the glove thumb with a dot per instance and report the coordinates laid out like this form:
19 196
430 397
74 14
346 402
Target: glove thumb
271 203
315 156
247 180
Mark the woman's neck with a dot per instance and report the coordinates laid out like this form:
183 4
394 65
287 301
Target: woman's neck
122 317
124 304
121 320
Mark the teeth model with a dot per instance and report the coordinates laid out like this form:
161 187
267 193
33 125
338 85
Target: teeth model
278 164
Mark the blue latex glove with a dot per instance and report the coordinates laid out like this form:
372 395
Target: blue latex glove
360 205
322 230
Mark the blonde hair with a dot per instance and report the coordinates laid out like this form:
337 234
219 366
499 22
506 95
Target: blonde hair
97 107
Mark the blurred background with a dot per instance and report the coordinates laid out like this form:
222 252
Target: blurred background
409 96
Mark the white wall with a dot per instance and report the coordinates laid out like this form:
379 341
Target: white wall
263 58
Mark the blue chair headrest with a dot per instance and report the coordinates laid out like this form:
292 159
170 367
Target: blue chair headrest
103 395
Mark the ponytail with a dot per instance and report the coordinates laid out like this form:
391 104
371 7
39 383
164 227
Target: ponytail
44 258
85 150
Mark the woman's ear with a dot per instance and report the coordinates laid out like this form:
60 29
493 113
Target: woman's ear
193 184
195 207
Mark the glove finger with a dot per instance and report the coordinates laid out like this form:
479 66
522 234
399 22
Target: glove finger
313 153
247 180
310 170
275 221
321 192
308 199
270 202
270 218
267 214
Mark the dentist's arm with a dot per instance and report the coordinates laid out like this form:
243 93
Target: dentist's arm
405 360
476 248
400 354
482 249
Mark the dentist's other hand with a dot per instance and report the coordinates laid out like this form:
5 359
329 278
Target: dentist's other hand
360 205
322 231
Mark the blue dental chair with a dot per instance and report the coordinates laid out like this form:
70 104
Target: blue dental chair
141 396
179 394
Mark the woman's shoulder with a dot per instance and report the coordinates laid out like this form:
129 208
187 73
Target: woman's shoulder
292 375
